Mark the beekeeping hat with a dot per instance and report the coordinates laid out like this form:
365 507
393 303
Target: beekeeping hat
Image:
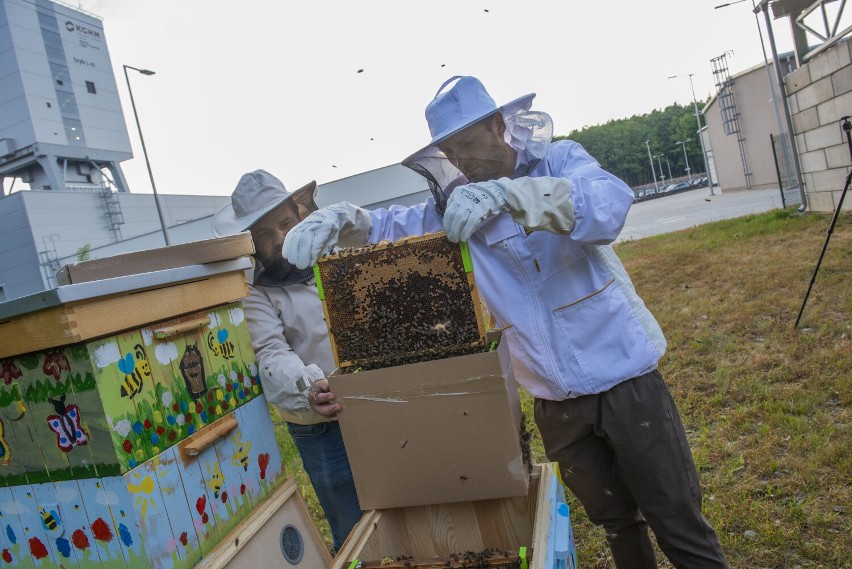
256 194
459 103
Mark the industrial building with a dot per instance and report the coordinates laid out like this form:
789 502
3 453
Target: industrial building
63 134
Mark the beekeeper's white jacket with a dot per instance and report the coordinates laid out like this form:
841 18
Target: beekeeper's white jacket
574 322
290 340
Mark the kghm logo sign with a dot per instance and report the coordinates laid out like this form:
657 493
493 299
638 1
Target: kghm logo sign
88 32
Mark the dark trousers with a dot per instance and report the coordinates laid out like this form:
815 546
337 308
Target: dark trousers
625 455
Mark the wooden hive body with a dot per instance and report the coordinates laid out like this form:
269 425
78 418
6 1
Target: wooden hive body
142 446
440 535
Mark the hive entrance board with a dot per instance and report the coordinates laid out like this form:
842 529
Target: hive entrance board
397 303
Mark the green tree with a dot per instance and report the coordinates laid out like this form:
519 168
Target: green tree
83 252
619 145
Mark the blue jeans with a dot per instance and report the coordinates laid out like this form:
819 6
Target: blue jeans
324 459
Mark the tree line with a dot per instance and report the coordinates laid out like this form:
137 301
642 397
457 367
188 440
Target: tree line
619 145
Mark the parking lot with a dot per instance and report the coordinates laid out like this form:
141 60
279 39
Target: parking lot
694 207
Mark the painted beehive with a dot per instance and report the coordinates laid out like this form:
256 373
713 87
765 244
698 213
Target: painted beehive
103 407
133 429
167 512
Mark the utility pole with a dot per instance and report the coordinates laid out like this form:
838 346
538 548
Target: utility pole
651 160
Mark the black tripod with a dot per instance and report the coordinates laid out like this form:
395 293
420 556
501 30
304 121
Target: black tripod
847 127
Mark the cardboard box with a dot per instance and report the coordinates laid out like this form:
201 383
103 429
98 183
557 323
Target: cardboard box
434 432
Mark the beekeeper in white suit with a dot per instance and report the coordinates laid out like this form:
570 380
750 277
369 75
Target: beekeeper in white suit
540 218
290 338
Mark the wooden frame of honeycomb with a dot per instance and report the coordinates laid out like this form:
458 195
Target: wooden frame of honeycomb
400 302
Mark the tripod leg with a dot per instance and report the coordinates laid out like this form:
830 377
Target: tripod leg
824 246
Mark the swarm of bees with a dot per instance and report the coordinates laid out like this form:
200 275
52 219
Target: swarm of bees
397 303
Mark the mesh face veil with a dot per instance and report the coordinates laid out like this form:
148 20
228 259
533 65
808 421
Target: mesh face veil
529 133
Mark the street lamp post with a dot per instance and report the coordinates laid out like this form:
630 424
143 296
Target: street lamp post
651 160
662 175
685 159
145 150
700 138
669 168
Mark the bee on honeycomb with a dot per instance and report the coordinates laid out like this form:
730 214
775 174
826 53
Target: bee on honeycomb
395 303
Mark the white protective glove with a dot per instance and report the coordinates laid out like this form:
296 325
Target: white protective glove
321 231
469 205
542 203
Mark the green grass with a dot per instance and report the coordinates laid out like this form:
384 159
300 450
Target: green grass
766 406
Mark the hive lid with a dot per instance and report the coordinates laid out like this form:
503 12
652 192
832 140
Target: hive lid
130 283
159 259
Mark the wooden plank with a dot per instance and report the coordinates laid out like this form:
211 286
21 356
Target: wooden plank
151 506
41 454
54 523
191 549
179 361
119 416
254 542
201 500
85 320
542 532
97 450
127 527
197 252
246 367
77 528
265 456
13 464
96 506
42 548
16 536
234 497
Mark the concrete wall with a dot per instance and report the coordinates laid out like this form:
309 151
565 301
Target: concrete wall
819 94
757 121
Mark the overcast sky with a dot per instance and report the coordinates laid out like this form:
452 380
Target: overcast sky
276 84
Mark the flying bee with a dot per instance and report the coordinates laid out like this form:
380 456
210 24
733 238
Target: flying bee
48 519
240 458
135 368
220 345
440 328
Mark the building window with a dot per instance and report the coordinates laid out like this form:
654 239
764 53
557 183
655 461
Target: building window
90 87
60 82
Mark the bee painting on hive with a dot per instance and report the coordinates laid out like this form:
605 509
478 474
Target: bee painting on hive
403 302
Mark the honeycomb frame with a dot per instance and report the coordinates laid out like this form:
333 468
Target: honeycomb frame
400 302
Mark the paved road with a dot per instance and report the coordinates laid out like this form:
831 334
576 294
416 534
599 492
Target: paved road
688 209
